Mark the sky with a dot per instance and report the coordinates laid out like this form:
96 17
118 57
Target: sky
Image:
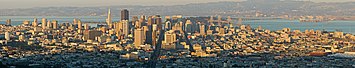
11 4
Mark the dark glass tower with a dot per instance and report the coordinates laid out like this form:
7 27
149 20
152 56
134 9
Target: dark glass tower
124 14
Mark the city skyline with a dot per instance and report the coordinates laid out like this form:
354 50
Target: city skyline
228 34
15 4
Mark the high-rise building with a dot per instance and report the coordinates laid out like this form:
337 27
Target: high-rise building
7 36
49 25
8 22
26 22
44 23
154 37
75 21
124 14
35 23
55 24
188 27
138 37
86 26
158 21
125 27
134 18
109 19
211 20
170 37
202 29
138 24
79 25
219 20
150 21
168 25
118 28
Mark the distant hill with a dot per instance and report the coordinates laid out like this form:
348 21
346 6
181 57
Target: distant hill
250 7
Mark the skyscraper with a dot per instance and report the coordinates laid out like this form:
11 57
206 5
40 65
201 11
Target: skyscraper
134 18
125 27
55 24
150 21
35 23
79 24
188 26
158 21
124 14
86 26
202 29
75 21
7 36
44 23
170 36
118 28
169 39
154 37
8 22
138 37
109 19
49 25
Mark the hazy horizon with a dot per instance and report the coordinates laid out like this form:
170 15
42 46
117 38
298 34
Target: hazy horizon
14 4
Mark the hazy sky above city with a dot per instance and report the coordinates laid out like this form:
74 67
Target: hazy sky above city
8 4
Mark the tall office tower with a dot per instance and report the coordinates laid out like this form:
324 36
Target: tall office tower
8 22
202 29
44 23
138 37
35 23
155 27
168 25
7 36
134 18
118 28
169 39
49 25
148 37
124 14
26 22
229 19
125 27
150 21
86 26
109 19
240 21
55 24
75 21
159 23
143 17
79 24
170 36
260 27
211 20
188 26
138 24
91 34
103 29
154 37
145 30
167 18
219 20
